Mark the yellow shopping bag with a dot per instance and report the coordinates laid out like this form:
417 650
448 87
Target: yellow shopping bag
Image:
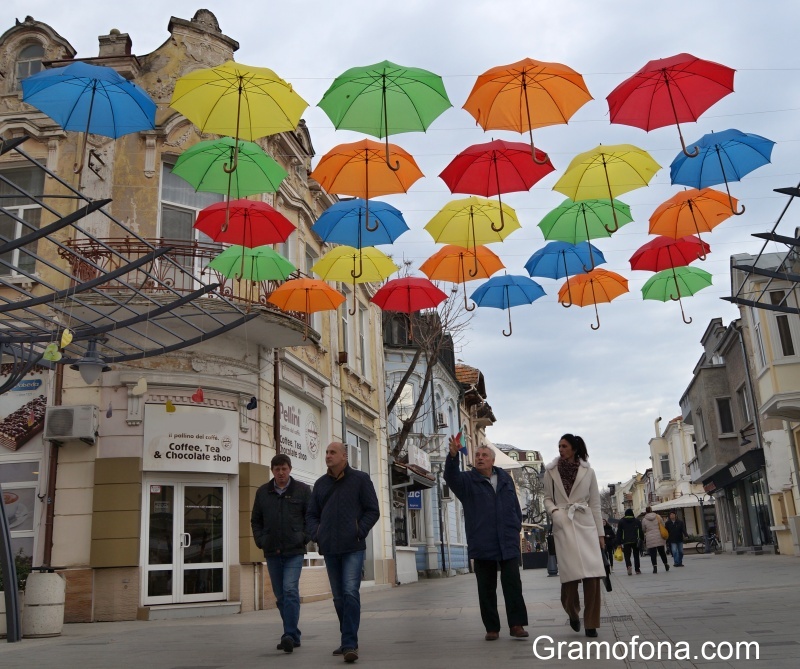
618 556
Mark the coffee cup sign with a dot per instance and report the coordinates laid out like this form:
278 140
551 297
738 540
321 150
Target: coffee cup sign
10 500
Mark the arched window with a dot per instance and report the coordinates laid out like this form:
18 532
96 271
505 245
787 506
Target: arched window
29 62
513 455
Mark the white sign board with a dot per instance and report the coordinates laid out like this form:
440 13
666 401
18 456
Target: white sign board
191 439
300 437
416 456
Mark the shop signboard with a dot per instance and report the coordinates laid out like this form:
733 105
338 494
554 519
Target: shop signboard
300 435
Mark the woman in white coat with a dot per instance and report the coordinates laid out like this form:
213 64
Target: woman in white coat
573 501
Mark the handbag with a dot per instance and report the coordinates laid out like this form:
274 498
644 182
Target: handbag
662 529
607 577
619 556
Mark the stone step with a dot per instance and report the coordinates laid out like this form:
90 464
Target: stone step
194 610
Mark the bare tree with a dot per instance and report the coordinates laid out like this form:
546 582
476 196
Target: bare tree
606 508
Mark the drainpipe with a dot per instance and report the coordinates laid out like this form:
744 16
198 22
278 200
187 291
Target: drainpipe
656 427
276 418
52 469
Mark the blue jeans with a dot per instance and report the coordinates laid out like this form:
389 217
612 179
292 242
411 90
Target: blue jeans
284 572
677 552
344 574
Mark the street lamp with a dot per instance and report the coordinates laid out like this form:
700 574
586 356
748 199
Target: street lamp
91 364
702 498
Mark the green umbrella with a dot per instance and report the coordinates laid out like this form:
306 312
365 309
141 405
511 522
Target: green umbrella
261 263
580 221
385 99
203 167
675 283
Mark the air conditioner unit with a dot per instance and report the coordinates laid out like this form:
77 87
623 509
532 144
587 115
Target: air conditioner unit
75 423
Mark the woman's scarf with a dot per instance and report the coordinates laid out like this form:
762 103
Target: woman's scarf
568 470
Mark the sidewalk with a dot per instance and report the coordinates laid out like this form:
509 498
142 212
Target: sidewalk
436 623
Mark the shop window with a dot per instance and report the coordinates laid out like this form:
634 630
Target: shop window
725 415
29 62
21 216
19 481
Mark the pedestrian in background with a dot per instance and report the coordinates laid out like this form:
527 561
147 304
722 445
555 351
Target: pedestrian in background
493 520
342 510
572 499
278 522
677 533
629 534
609 533
652 524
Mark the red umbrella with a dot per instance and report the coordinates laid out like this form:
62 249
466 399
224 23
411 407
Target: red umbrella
670 90
409 294
496 167
666 253
249 223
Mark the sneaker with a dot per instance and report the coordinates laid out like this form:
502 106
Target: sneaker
519 632
492 636
339 651
286 644
630 571
638 572
350 655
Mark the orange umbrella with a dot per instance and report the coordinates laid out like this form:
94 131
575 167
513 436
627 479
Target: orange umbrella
449 262
691 212
305 296
525 95
594 287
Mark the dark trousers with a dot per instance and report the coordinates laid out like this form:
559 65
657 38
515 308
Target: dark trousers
486 576
610 554
629 549
571 601
660 550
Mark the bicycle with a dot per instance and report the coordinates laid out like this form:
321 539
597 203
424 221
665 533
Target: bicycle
713 544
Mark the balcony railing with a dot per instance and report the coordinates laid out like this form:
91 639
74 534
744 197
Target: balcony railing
177 271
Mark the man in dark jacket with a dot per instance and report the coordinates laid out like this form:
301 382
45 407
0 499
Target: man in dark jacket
279 529
629 534
677 533
342 511
493 521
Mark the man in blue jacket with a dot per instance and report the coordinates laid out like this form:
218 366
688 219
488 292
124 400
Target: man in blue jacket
493 520
342 511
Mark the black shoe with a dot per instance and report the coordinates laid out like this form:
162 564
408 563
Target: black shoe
655 570
286 644
638 571
350 655
591 632
575 624
340 651
666 566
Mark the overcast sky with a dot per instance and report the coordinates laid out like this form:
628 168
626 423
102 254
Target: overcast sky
555 374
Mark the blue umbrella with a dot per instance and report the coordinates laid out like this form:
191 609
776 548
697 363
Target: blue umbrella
90 98
557 260
345 223
724 156
504 292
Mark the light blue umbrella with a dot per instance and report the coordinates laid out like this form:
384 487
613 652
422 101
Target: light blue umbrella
557 260
504 292
346 223
724 156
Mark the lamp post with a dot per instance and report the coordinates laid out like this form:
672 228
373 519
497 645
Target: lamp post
702 498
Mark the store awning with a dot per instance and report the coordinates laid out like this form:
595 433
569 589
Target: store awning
416 477
682 502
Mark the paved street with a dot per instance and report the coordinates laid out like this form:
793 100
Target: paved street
436 623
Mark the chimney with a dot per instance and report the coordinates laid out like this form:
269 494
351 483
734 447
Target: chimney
115 44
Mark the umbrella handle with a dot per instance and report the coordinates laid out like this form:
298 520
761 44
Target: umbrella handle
396 166
596 312
735 213
499 199
235 161
569 293
727 188
78 167
366 218
683 314
702 255
510 330
683 146
308 311
611 198
675 113
530 130
353 272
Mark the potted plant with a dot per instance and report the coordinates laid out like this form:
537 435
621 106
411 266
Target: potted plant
23 566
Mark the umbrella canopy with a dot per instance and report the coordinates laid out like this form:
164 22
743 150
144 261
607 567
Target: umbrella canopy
690 212
557 260
244 222
595 287
607 171
581 221
723 156
504 292
204 167
90 98
673 284
339 264
305 296
525 95
670 90
257 264
451 262
346 223
667 253
385 99
408 294
472 221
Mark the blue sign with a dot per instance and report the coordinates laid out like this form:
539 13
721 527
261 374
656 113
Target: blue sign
415 499
28 385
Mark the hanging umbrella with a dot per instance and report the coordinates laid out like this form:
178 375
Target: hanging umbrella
237 100
408 294
597 286
261 263
249 223
724 156
581 221
346 223
305 296
667 253
385 99
494 168
691 212
471 222
607 171
90 99
670 90
673 284
339 264
504 292
558 260
203 166
525 95
449 263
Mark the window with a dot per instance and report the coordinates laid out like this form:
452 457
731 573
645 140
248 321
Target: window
311 258
513 455
19 481
700 428
345 312
725 415
666 473
363 341
761 353
405 404
29 62
30 180
744 405
783 324
415 526
357 452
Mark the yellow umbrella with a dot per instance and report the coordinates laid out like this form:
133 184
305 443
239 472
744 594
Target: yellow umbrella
239 101
606 172
339 264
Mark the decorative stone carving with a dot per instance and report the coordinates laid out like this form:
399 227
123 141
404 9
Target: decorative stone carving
150 156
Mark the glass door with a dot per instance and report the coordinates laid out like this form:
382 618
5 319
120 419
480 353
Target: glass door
185 552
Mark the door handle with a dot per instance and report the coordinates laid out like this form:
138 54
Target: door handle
186 540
